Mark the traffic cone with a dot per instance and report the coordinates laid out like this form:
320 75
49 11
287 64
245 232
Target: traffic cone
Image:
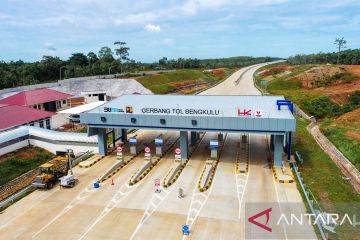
112 182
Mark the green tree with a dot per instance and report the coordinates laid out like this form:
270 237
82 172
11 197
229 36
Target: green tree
106 55
122 51
340 44
78 59
92 58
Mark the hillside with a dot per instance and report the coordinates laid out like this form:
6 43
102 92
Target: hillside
183 81
331 93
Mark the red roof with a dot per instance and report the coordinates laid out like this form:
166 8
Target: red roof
36 96
13 115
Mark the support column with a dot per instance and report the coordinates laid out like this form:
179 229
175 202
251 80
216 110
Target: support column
184 144
272 142
102 141
194 137
278 148
113 137
124 135
289 146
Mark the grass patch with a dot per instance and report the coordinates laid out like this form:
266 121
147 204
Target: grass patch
17 163
348 146
325 180
162 83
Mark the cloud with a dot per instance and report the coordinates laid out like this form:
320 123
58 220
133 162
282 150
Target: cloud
50 47
168 42
152 28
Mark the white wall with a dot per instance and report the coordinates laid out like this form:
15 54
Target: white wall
13 147
60 147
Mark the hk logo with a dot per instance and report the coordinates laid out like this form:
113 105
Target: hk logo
267 215
244 113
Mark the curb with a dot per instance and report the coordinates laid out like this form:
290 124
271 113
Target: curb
247 160
93 163
275 174
179 171
131 183
212 171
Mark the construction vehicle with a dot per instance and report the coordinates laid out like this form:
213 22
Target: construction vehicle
53 171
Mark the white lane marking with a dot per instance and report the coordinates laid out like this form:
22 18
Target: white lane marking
82 195
153 205
278 200
242 183
124 191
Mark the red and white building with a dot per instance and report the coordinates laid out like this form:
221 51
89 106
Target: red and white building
34 108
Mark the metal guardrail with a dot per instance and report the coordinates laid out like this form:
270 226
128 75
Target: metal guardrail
16 196
310 199
80 158
13 198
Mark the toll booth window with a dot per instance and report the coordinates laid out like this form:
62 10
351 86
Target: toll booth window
163 121
133 120
194 122
103 119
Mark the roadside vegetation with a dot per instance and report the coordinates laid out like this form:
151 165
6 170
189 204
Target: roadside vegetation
330 93
16 163
326 181
184 81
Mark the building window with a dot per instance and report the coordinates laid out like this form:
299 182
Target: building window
47 121
31 124
64 102
38 106
41 124
58 104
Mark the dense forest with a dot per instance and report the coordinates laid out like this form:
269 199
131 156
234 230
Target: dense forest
351 57
106 61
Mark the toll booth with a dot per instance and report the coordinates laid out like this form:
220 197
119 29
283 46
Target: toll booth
159 142
133 147
268 115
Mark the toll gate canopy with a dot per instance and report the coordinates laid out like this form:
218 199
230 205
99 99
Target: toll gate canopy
253 114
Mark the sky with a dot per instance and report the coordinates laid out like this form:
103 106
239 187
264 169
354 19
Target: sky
171 28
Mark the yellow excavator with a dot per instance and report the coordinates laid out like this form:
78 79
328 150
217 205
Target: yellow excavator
51 172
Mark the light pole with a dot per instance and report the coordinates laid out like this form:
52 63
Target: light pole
60 71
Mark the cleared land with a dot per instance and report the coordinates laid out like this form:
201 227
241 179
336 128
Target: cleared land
183 81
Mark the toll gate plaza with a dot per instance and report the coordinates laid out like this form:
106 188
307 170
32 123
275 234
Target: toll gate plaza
269 115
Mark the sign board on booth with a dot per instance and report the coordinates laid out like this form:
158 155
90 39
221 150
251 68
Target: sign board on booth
133 141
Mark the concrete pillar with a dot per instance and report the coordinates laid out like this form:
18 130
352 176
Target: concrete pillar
184 144
102 141
220 137
278 149
288 151
113 137
194 137
124 135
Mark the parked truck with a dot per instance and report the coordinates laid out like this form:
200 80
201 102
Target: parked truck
54 171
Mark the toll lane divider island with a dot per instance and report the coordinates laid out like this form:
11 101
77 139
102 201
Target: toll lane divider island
118 165
149 164
178 166
242 158
208 172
